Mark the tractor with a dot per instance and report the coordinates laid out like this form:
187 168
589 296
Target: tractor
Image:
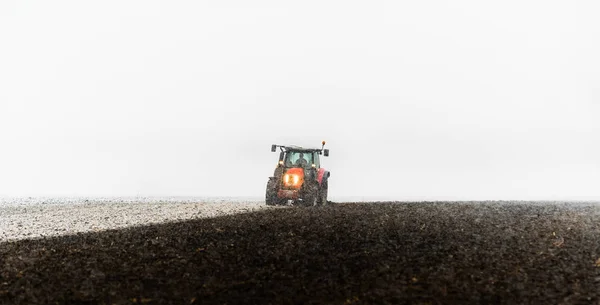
298 177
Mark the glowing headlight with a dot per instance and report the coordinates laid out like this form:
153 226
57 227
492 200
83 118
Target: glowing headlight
291 179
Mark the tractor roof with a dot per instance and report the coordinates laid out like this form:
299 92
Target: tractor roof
299 148
284 148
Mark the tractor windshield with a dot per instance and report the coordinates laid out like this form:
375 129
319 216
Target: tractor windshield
299 159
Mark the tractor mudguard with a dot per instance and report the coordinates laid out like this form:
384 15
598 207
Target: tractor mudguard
322 176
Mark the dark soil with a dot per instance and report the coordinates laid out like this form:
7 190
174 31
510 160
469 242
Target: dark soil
378 253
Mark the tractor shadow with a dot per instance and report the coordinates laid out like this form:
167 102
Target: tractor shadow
342 253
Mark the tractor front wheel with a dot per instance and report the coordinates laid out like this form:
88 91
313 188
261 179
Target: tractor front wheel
312 197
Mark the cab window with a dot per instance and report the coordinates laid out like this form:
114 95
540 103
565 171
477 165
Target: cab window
293 158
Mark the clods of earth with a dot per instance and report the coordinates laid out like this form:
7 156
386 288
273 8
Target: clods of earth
350 253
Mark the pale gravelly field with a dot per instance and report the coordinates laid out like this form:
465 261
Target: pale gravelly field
45 217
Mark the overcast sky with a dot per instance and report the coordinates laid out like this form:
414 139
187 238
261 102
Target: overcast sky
416 99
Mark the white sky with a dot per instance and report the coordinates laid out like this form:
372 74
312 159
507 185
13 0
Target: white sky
417 99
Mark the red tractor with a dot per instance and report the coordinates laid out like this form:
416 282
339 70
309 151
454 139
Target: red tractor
298 177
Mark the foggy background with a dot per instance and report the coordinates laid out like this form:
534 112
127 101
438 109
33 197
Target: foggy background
458 100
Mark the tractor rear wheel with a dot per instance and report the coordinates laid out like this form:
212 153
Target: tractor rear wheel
271 193
323 194
270 200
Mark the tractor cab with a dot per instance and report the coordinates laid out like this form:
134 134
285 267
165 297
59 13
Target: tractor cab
295 156
302 158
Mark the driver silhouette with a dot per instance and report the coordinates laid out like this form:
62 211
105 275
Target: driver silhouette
301 161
